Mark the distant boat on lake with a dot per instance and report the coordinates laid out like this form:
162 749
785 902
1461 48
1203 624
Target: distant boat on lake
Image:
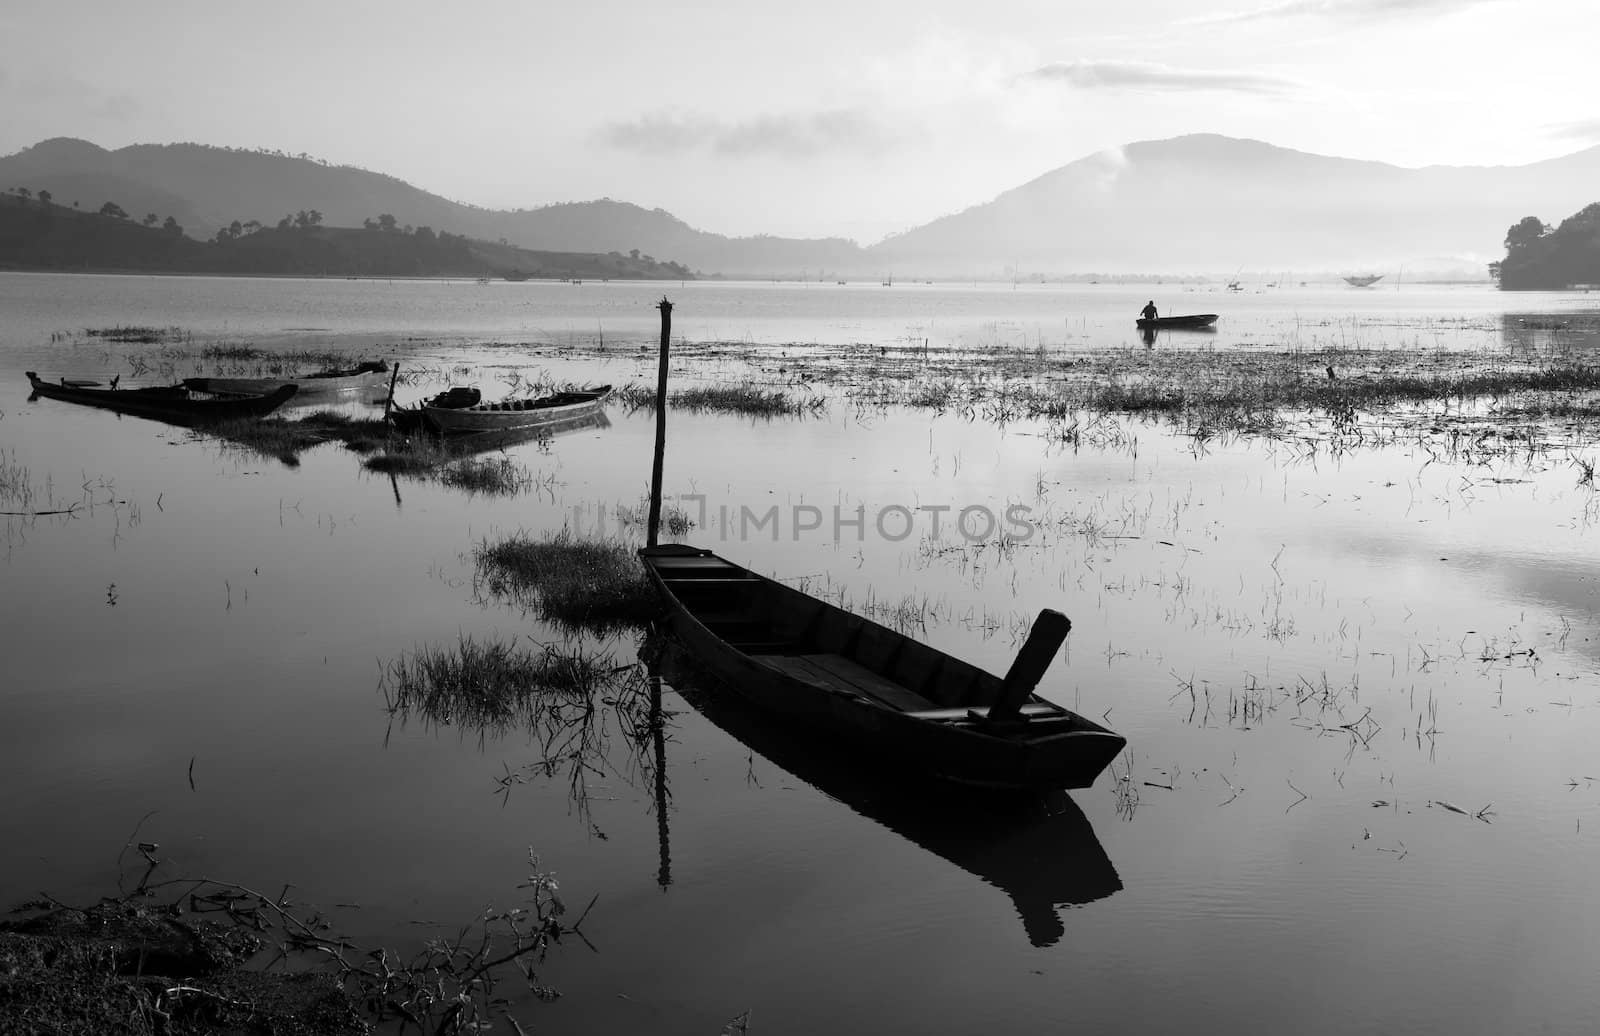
1364 280
1192 320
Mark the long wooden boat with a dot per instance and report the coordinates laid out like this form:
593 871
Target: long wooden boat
174 403
517 413
1191 320
347 379
1364 280
1039 849
890 697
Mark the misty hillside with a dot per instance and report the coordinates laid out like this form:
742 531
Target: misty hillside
207 188
40 234
1206 202
1201 203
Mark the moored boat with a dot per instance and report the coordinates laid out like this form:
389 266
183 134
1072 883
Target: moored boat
174 403
346 379
517 413
1365 280
887 695
1039 849
1192 320
415 418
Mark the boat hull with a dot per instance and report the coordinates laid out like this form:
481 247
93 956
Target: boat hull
1192 321
321 384
885 696
172 404
558 409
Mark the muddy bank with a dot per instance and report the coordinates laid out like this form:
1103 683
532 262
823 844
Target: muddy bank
125 968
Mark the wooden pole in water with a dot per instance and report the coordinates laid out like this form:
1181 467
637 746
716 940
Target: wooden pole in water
389 403
661 423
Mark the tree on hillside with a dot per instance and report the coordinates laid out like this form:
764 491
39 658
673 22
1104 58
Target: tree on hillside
151 219
44 197
113 210
23 193
385 222
252 225
172 227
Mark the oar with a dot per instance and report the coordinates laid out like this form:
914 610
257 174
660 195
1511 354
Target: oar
1049 630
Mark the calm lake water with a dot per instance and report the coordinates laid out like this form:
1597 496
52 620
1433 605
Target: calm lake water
1361 689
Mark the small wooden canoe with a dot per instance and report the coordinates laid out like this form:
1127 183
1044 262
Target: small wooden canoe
350 379
1191 321
517 413
1039 849
173 403
415 418
898 700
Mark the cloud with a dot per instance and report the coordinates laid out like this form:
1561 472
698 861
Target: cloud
1139 75
803 135
1337 9
1586 130
66 92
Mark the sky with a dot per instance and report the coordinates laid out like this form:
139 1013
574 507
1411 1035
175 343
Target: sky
848 118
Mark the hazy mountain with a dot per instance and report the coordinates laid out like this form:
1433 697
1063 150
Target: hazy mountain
1210 203
1201 203
206 188
40 234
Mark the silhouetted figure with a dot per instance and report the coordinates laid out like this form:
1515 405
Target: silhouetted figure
1331 376
1149 310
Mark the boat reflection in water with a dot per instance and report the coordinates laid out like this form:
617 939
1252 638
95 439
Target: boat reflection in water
1038 849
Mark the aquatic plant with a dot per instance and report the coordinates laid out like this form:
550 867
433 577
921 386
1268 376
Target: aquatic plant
590 584
746 398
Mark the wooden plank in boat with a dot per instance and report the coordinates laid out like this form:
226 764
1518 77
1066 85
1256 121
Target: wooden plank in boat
802 670
864 680
1035 709
673 566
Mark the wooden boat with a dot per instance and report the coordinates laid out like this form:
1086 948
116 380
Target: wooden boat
415 418
347 379
517 413
174 403
890 697
1365 280
1039 849
1193 320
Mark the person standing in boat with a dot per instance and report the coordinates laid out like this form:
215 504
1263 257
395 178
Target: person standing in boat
1149 310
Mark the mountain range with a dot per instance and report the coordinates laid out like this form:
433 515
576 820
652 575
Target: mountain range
1198 204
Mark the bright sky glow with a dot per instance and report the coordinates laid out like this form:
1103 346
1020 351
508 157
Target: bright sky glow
822 118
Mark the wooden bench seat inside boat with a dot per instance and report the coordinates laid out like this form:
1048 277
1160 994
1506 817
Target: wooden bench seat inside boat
1033 710
840 673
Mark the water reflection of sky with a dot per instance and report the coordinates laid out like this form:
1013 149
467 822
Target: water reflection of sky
1355 631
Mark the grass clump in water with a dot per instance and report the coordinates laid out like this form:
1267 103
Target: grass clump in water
594 585
494 684
497 477
285 439
746 398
